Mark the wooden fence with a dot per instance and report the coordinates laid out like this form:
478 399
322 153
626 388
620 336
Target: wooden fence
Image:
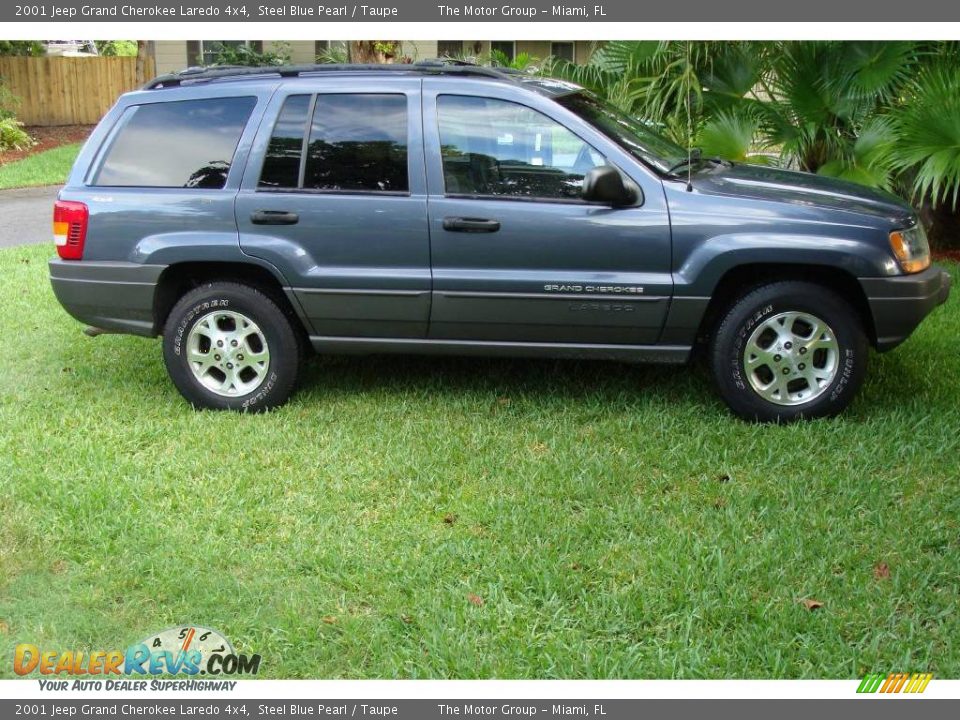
68 90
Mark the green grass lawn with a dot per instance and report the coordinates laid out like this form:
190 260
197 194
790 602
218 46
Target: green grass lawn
44 168
416 517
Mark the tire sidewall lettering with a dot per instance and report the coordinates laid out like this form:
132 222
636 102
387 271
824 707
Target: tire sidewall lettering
187 321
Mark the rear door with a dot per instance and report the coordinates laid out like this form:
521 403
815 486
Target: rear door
335 197
518 256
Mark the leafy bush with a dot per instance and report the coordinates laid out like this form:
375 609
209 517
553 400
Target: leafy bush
335 55
30 48
116 48
13 136
8 102
244 55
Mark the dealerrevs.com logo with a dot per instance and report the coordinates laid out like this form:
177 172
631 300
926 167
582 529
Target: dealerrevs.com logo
184 650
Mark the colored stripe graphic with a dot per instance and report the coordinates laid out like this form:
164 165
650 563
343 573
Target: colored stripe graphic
895 683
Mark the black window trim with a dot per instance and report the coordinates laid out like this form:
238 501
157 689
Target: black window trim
308 125
478 196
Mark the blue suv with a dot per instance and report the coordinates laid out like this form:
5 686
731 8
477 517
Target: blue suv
247 215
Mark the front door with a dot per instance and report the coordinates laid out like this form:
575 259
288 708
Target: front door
517 255
339 206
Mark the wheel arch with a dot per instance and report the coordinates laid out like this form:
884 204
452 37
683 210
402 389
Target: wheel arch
180 278
741 279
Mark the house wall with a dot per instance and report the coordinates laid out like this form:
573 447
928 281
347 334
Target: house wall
170 55
419 49
583 50
301 51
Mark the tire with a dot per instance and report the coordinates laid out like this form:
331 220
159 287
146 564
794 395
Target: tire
789 350
228 346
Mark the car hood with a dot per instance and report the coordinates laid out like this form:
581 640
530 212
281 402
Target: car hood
800 188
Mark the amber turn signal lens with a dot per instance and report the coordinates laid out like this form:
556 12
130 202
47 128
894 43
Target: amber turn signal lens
911 249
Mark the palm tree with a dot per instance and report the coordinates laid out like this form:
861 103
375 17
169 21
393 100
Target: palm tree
884 114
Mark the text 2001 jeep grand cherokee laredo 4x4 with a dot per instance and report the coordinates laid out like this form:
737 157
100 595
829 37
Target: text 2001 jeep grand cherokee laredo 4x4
247 214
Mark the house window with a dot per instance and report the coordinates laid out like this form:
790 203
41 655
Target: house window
507 47
562 50
209 49
449 48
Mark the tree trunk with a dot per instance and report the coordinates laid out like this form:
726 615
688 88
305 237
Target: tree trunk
374 51
141 66
943 225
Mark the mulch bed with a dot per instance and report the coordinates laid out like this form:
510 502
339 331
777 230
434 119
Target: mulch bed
48 138
953 255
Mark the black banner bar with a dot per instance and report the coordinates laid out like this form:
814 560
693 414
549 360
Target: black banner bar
874 708
614 11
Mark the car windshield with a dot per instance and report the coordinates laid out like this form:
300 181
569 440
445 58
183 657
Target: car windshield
630 134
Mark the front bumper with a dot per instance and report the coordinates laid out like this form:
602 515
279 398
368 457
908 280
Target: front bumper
114 296
899 304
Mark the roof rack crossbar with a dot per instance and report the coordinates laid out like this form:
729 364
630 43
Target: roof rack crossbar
223 72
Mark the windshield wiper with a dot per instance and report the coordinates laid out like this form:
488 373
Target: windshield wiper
695 158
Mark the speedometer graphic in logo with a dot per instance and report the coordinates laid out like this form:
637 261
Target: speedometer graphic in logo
187 638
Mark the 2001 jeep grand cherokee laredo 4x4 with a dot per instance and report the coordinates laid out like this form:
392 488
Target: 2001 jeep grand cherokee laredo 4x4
247 214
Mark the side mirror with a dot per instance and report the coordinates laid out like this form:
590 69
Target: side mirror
604 184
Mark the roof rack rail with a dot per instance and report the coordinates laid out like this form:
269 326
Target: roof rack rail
439 66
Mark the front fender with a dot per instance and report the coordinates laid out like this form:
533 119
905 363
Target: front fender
703 268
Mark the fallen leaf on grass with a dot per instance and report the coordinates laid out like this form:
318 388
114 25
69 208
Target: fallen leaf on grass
475 599
406 619
811 604
329 619
539 449
449 518
881 571
4 628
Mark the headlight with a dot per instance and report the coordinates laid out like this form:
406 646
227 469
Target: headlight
911 248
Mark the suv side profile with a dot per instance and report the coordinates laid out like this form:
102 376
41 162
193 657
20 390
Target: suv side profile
248 215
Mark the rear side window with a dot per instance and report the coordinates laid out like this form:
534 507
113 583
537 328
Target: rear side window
181 144
281 167
355 143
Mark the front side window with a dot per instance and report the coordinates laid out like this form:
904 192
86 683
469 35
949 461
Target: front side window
498 148
355 143
182 144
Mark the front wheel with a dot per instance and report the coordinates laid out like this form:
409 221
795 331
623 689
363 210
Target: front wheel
228 346
789 350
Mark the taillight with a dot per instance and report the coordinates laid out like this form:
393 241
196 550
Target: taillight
70 228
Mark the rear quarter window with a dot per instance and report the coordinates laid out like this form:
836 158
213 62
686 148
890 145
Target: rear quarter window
180 144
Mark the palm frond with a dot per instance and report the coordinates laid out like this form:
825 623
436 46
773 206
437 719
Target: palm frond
927 125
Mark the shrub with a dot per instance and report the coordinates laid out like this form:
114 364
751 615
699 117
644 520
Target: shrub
31 48
116 48
244 55
13 136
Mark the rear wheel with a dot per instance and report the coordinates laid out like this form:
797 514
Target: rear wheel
228 346
789 350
